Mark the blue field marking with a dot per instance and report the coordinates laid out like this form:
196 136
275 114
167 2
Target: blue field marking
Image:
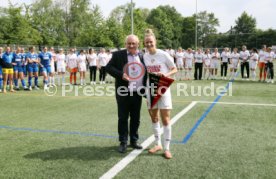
86 134
58 132
189 135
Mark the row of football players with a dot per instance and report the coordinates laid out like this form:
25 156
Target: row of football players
15 65
206 64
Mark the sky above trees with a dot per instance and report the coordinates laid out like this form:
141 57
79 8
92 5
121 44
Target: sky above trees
227 11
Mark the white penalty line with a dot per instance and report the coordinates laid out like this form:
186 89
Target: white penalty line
132 155
233 103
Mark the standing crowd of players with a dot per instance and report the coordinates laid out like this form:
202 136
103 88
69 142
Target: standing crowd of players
206 64
17 65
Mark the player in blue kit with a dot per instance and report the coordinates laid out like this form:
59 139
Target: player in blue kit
18 69
7 69
32 59
1 74
45 59
24 61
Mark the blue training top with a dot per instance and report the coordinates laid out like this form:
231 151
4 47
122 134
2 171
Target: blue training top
32 57
18 59
45 58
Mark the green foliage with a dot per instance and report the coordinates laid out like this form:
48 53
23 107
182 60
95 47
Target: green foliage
77 23
188 32
15 28
245 24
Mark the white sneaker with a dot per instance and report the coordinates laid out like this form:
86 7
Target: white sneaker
104 82
94 82
91 82
225 78
101 82
268 81
30 88
0 90
45 87
272 81
37 88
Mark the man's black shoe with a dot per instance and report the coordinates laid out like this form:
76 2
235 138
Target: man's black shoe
122 148
135 145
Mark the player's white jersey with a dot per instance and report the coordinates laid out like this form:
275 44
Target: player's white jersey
71 60
234 60
60 58
161 62
215 56
207 59
244 55
225 56
82 62
269 56
158 62
92 59
262 56
188 60
199 57
179 58
215 60
254 60
102 59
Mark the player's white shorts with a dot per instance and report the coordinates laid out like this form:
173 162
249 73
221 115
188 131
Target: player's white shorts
207 64
53 68
82 68
234 64
180 65
189 64
165 102
253 64
214 64
61 69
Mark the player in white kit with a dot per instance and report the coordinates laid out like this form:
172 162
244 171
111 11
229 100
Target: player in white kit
189 58
215 62
81 60
161 63
60 59
179 55
206 64
253 62
234 63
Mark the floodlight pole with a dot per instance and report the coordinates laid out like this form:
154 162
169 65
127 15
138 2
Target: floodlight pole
132 17
196 27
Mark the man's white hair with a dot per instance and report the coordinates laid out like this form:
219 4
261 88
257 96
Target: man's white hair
132 36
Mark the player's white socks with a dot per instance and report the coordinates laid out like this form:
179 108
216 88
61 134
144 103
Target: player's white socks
52 80
167 136
254 75
185 74
63 80
58 80
157 133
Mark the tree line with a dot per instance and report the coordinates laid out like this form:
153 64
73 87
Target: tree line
78 23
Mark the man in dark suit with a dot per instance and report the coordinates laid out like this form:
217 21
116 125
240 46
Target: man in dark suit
127 67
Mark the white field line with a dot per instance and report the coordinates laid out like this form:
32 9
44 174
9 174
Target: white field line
132 155
249 104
